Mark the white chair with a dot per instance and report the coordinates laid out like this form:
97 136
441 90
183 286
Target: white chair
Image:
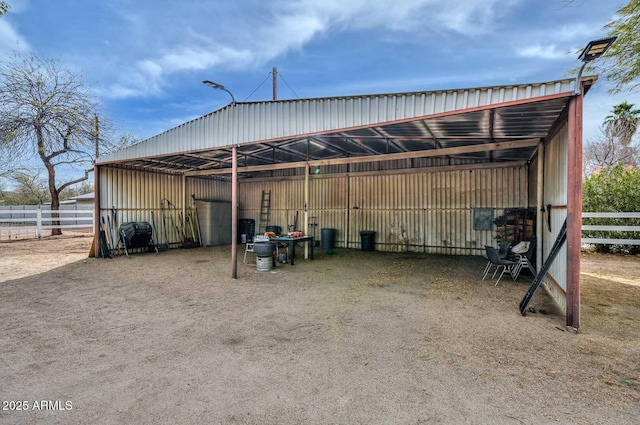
248 248
524 259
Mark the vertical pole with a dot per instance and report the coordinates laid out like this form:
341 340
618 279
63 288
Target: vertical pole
539 203
184 202
39 223
574 210
96 208
274 74
234 213
306 209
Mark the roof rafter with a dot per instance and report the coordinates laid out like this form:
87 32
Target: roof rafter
376 158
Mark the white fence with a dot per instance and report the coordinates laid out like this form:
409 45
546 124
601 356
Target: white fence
611 228
33 221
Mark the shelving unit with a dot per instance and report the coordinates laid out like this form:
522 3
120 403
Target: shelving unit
516 225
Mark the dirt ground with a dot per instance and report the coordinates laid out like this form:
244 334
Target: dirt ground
350 338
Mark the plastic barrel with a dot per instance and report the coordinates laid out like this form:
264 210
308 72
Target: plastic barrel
327 236
247 227
367 240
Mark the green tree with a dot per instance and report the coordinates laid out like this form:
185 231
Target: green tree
46 112
29 189
623 123
613 190
614 144
621 64
4 7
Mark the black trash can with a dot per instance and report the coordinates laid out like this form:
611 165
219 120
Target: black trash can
367 239
275 229
327 237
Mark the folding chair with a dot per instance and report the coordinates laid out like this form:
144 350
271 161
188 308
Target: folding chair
506 265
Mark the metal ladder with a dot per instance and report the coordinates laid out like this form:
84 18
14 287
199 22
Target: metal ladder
562 237
265 210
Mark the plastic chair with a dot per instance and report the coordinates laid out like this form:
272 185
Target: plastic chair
526 259
503 252
247 248
506 265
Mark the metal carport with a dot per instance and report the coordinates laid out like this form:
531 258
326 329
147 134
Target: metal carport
534 129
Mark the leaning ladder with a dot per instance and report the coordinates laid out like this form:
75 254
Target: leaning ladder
562 237
265 210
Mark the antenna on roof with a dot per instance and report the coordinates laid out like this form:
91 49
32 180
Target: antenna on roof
274 74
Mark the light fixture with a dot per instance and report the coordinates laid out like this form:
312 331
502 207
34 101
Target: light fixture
220 87
594 50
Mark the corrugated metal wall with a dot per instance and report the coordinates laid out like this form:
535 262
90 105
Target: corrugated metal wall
409 211
208 189
555 194
131 195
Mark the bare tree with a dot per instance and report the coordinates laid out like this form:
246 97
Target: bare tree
46 112
607 151
30 189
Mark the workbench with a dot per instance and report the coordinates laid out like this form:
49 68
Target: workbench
291 242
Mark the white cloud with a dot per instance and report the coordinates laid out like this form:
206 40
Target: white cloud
147 76
284 26
10 40
541 52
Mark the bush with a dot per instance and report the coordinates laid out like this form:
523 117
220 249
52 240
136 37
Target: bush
615 189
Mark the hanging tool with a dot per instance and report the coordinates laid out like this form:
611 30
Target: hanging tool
195 215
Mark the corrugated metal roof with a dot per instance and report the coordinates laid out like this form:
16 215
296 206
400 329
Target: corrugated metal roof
282 131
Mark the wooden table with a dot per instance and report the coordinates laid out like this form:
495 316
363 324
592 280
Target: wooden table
291 242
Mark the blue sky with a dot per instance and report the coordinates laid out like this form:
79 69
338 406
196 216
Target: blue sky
146 59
